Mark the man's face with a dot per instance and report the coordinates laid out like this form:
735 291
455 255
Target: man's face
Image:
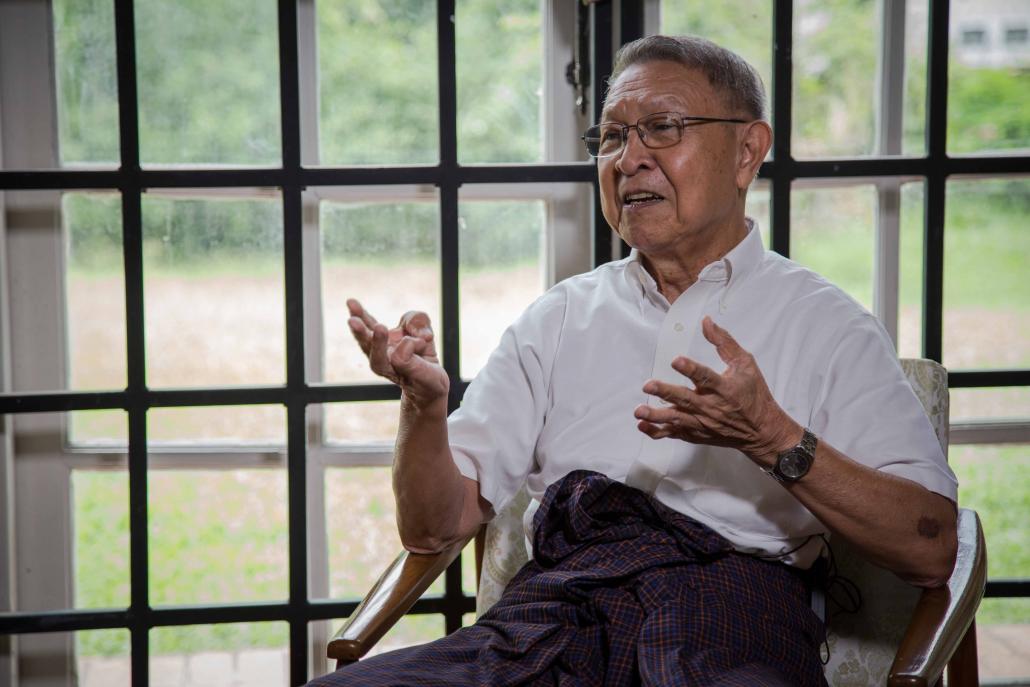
694 185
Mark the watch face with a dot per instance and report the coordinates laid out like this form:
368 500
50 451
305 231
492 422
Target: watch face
794 465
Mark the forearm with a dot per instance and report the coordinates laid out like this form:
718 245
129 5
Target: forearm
894 522
436 505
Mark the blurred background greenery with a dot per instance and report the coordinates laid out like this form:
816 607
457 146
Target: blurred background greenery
207 100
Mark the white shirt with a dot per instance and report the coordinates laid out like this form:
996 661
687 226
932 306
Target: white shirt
558 393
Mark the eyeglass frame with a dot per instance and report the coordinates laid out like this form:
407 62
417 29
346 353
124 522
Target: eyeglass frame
643 139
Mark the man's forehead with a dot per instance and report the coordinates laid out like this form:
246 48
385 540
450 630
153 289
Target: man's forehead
657 87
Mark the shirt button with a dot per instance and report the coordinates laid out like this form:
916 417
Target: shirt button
678 326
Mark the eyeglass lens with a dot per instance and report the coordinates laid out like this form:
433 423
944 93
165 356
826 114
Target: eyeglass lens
655 131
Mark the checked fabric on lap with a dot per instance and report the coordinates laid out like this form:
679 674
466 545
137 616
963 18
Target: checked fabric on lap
622 591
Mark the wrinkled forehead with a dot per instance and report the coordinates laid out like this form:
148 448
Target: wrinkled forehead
658 86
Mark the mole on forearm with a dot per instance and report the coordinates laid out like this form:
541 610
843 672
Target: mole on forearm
928 527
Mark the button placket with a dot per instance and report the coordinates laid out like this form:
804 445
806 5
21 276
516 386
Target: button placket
675 338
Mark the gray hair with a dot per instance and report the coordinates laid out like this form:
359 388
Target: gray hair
726 71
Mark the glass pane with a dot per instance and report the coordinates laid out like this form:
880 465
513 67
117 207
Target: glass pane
758 204
468 569
100 524
986 291
743 26
1002 631
261 425
213 291
995 481
910 272
988 98
94 291
832 232
386 255
990 403
217 536
377 82
98 428
72 510
67 303
914 108
835 61
87 82
96 658
362 527
227 654
502 263
208 79
500 80
367 422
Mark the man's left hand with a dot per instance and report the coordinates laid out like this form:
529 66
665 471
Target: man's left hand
734 409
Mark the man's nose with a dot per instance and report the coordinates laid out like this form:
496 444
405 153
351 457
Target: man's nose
634 153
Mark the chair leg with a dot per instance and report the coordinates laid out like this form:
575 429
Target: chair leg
962 668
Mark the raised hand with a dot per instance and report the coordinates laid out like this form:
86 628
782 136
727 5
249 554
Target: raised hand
406 354
734 409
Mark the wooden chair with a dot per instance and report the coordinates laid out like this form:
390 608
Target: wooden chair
902 635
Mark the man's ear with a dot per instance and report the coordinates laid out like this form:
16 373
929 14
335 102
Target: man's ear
754 146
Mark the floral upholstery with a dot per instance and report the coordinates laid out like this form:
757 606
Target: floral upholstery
862 645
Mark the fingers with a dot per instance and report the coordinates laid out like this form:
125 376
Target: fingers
361 324
416 323
704 378
414 371
358 310
659 423
725 345
378 354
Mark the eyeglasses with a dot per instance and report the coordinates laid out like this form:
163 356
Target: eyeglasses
658 130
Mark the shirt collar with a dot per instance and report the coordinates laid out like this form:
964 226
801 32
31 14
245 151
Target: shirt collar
730 269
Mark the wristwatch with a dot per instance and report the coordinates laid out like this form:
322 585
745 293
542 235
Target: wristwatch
794 463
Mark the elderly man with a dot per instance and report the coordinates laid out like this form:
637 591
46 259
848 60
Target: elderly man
691 422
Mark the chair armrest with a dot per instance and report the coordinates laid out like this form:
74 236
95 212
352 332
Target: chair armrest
394 593
942 616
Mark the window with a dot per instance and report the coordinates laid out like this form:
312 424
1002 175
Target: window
178 239
1016 35
974 37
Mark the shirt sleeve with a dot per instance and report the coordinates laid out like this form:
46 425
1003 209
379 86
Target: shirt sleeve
494 433
868 411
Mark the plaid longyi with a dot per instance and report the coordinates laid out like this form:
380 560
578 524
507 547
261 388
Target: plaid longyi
622 590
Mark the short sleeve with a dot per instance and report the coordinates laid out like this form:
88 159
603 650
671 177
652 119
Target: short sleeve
867 410
494 433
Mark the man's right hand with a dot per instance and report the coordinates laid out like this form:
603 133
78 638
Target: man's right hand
406 354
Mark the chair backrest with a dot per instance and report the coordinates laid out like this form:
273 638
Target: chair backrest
862 645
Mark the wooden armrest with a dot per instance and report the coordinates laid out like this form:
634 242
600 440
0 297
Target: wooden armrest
942 616
394 593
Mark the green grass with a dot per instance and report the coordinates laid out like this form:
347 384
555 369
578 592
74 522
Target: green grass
995 482
985 234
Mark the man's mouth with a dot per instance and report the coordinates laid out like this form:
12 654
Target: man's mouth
640 198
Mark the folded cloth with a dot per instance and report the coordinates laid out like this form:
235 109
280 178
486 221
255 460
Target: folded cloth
622 590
